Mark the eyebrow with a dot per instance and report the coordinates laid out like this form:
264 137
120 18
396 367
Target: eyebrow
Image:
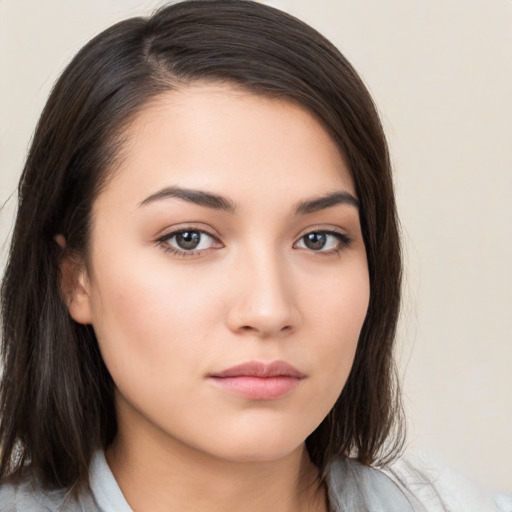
327 201
199 197
217 202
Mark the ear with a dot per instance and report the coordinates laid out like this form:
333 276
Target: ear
74 285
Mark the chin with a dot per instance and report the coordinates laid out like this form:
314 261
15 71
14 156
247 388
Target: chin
259 447
259 454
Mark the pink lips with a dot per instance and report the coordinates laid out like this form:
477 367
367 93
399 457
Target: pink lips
259 381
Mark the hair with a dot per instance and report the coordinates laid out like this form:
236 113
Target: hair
56 396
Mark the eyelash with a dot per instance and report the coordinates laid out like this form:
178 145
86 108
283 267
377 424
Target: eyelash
164 243
344 241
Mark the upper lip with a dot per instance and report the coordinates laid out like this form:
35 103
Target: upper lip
260 369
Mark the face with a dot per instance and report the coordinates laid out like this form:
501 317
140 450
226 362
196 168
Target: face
227 280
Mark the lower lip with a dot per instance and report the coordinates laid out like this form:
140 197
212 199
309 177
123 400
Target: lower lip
258 388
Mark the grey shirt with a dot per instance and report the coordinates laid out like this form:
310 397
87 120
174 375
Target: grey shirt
352 487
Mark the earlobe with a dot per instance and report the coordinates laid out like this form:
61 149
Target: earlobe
74 285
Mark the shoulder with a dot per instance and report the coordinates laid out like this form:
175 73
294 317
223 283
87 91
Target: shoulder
413 484
27 496
441 488
354 487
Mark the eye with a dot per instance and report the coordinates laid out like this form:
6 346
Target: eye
188 241
323 241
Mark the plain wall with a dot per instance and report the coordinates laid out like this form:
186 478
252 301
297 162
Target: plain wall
441 74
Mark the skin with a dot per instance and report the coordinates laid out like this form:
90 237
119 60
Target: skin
252 291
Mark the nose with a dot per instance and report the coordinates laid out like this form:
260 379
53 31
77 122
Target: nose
264 301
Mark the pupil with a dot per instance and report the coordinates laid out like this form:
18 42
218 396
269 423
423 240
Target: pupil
315 241
188 239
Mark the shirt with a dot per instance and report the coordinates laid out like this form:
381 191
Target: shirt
351 486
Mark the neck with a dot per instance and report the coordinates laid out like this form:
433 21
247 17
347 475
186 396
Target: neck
163 476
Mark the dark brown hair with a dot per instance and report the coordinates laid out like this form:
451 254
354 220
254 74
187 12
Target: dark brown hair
56 396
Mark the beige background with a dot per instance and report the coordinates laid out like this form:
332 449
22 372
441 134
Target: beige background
441 74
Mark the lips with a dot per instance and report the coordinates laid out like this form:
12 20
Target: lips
259 381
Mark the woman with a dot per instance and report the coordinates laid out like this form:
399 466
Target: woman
208 247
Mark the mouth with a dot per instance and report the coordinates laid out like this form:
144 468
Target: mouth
259 381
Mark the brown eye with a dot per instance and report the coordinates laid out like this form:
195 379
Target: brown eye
188 240
315 241
323 241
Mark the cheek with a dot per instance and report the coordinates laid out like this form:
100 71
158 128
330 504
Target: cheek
148 320
339 303
336 315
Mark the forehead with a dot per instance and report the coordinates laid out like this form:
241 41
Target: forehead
227 140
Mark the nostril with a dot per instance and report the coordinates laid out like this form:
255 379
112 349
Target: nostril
250 329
